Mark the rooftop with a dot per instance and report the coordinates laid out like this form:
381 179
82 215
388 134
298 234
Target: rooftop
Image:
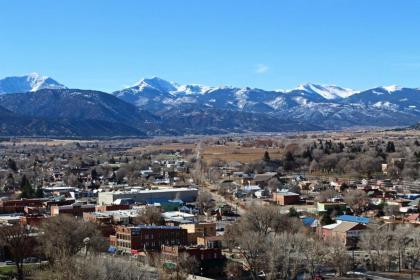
355 219
153 191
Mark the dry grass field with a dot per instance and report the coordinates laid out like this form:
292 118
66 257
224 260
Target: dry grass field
162 147
45 142
235 153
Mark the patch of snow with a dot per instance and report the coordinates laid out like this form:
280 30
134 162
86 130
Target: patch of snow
326 91
276 103
391 88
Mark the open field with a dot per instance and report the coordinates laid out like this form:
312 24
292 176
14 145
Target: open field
158 147
235 153
44 142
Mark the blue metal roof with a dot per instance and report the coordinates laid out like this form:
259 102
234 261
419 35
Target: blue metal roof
307 221
355 219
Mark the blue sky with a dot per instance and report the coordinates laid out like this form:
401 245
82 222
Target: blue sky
271 44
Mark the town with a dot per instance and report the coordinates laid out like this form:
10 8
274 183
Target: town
298 206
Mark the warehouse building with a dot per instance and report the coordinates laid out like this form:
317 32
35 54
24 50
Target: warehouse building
143 196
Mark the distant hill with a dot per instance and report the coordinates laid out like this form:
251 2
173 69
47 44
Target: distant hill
70 112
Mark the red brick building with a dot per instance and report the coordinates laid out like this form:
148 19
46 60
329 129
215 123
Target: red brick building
286 198
150 238
112 207
76 209
211 261
18 205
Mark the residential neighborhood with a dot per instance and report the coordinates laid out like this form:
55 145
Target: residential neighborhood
176 214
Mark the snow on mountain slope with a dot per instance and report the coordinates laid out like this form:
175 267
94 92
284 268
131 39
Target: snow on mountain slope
28 83
328 92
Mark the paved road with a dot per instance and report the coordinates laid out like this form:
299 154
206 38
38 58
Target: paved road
220 198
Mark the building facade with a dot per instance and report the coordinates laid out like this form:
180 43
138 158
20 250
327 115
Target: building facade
147 238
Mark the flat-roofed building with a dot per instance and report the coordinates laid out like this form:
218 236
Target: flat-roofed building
286 198
147 238
142 196
199 230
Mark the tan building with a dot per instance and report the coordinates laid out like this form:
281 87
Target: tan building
199 230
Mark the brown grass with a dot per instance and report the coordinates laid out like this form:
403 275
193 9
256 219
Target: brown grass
235 153
50 143
172 146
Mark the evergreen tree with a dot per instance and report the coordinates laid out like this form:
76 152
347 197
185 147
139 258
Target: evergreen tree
390 147
39 193
94 174
9 183
293 212
11 164
266 157
326 220
27 191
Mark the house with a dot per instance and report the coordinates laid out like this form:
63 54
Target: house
310 222
262 179
251 189
262 193
286 198
347 233
413 219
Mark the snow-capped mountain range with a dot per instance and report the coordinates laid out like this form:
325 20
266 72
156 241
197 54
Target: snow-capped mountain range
179 109
28 83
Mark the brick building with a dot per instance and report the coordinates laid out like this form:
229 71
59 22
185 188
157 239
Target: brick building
211 261
150 238
75 209
286 198
18 205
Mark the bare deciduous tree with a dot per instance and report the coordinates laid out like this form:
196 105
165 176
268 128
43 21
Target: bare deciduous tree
150 216
357 200
64 236
18 239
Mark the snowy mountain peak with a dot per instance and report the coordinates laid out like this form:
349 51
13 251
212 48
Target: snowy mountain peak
156 83
192 89
28 83
328 92
391 88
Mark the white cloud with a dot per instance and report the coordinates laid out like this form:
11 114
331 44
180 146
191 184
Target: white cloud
261 69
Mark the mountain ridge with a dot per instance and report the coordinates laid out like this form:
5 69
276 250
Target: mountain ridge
155 106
